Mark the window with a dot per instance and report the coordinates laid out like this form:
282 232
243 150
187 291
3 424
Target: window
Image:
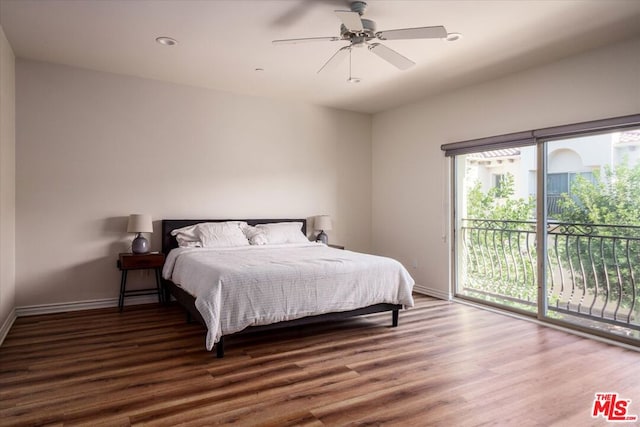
575 263
559 184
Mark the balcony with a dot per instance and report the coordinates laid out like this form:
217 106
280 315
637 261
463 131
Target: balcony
592 278
553 204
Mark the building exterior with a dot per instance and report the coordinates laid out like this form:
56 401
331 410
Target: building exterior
566 159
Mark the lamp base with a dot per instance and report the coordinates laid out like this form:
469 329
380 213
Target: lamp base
323 238
140 245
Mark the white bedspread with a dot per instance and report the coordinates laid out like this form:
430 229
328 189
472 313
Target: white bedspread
258 285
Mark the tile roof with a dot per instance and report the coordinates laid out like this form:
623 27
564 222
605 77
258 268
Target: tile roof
630 136
507 152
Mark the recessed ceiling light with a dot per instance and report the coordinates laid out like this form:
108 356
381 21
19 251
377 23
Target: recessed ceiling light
167 41
259 69
451 37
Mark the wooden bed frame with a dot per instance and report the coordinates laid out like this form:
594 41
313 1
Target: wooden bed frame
187 301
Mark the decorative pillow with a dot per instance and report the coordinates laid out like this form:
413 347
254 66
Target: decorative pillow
221 234
283 232
255 235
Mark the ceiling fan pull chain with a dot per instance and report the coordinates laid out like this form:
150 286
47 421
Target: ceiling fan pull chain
352 79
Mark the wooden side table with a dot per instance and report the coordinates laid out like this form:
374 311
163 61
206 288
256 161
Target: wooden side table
129 261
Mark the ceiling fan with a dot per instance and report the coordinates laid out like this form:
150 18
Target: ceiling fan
359 32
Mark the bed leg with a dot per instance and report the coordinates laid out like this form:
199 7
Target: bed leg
220 348
394 318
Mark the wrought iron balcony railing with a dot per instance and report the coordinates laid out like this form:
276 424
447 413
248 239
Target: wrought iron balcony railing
593 269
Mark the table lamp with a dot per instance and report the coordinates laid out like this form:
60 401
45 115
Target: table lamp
140 223
322 223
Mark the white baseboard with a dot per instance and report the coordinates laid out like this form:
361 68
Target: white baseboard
431 292
8 323
34 310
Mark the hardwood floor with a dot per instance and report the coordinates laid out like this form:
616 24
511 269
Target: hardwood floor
446 364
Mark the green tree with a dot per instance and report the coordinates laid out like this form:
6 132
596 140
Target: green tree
498 228
612 197
498 203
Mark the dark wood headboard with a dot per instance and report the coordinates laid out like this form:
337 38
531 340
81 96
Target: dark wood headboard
169 242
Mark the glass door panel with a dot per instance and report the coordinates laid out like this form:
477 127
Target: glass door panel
496 227
593 232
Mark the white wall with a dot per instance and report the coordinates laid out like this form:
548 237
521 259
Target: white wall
7 185
410 173
94 147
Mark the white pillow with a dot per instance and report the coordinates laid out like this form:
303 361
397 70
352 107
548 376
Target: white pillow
283 232
186 237
255 235
221 234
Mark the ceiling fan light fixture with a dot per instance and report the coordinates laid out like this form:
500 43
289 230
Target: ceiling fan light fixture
166 41
452 37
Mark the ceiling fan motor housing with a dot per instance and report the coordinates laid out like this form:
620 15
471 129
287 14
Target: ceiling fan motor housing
368 31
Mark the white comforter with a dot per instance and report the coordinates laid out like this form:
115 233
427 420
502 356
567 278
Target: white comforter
259 285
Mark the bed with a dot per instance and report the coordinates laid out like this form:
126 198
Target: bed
246 289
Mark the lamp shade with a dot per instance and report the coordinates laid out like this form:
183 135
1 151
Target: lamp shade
139 223
322 222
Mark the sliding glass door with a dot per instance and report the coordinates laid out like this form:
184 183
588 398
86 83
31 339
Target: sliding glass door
551 229
496 226
593 232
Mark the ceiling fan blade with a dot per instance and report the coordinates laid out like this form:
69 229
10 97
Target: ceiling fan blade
438 32
350 19
306 40
391 56
336 58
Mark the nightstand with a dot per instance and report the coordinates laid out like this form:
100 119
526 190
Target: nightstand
336 246
151 261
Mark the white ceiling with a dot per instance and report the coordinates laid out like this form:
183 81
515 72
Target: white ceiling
222 42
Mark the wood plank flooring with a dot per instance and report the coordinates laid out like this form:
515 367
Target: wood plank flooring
446 364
